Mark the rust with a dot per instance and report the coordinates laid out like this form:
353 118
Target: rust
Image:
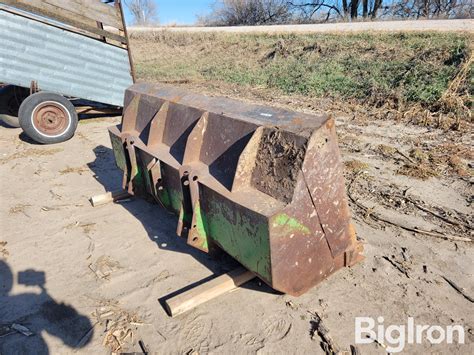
330 123
51 118
263 184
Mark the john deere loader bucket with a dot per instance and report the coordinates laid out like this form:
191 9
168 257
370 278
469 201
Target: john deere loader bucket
263 184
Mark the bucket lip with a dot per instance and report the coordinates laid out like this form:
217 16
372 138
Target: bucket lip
293 121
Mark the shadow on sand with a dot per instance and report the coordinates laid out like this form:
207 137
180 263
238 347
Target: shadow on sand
160 225
38 312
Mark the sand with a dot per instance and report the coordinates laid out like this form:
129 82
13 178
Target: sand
82 277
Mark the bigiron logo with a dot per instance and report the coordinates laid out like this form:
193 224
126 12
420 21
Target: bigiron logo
395 337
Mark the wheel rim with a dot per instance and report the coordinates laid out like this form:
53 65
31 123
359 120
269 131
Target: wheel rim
51 118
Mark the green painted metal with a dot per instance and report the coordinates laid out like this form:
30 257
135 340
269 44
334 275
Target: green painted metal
288 225
119 153
241 232
200 225
264 185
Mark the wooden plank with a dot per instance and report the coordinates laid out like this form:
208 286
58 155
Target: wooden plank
119 7
42 5
92 10
207 291
89 110
53 23
96 5
101 26
108 197
32 6
98 111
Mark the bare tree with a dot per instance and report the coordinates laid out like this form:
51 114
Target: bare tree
248 12
258 12
144 12
430 8
318 10
376 6
365 8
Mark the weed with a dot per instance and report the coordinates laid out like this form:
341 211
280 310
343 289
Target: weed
420 171
395 70
355 166
419 155
386 150
78 170
31 153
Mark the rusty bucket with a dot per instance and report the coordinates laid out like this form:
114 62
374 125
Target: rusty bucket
263 184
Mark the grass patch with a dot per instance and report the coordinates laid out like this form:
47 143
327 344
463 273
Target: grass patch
77 170
355 166
377 70
421 171
33 152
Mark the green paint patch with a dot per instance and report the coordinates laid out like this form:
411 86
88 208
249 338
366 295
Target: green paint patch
292 224
201 227
164 198
199 221
243 234
175 201
119 153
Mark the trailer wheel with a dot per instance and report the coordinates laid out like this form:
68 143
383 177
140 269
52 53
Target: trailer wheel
11 98
48 118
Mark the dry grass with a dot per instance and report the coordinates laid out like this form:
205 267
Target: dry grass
414 77
31 153
3 250
87 228
442 159
386 150
419 155
420 171
20 208
355 166
459 167
120 326
77 170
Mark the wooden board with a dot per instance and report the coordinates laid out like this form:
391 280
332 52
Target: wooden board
108 197
207 291
50 9
92 10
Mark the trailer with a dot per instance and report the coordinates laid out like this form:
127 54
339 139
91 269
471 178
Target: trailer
54 53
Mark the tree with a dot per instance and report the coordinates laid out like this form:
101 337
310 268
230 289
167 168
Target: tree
144 12
316 10
259 12
428 8
365 8
248 12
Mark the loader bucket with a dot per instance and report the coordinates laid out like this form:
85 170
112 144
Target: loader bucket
263 184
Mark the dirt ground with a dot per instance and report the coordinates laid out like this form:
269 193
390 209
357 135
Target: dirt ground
79 278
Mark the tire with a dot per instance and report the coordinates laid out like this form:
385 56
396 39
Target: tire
11 98
11 121
48 118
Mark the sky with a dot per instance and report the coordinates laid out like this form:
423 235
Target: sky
180 11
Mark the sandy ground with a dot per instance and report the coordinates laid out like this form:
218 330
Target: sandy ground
380 26
77 276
